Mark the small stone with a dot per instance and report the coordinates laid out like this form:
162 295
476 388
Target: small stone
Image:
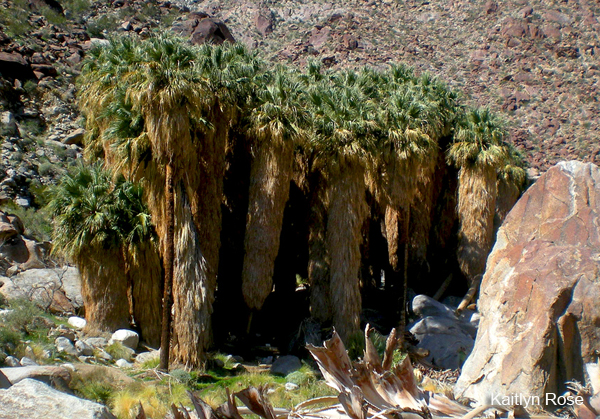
77 322
102 354
96 342
28 353
28 362
75 137
147 356
122 363
11 361
64 345
291 386
7 119
126 337
267 360
83 348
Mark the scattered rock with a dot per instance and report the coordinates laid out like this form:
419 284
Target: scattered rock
285 365
9 123
319 37
63 331
291 386
490 7
77 322
14 66
147 356
264 21
75 137
97 342
123 363
33 399
543 275
102 354
28 362
127 338
64 345
83 348
11 361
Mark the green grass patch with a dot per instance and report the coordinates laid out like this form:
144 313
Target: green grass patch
118 351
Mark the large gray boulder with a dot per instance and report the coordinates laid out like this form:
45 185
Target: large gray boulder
59 289
33 399
49 374
448 338
539 295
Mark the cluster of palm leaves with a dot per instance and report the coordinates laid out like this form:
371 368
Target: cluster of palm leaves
360 146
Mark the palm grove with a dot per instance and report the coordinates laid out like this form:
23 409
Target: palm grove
220 179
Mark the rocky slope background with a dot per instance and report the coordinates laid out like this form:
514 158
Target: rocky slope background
533 62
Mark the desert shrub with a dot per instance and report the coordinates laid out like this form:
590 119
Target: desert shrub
118 351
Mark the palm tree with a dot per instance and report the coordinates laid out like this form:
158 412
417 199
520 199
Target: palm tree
480 152
344 128
178 104
97 222
274 123
512 179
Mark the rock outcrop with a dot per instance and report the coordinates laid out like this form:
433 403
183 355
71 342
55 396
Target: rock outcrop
539 295
203 29
35 400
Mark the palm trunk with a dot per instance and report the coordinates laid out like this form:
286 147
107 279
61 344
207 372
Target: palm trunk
318 257
104 289
146 273
403 304
347 211
477 192
169 253
269 192
198 230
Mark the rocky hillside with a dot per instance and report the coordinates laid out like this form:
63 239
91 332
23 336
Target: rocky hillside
533 62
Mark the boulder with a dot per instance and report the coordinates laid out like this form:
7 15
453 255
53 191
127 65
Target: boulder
264 21
83 348
35 400
28 362
447 337
11 361
14 66
127 338
48 374
211 30
147 356
9 123
123 363
424 306
77 322
285 365
538 297
59 289
96 342
75 137
65 345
